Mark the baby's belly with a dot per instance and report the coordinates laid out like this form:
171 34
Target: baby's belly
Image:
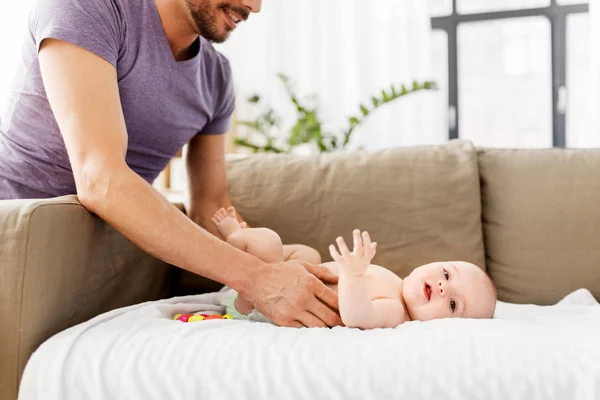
381 282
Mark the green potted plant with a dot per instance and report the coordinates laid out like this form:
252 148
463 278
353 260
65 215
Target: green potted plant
308 128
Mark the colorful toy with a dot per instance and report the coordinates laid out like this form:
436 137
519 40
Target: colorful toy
199 317
183 317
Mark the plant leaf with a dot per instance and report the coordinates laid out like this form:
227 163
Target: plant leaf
254 99
364 110
430 85
385 96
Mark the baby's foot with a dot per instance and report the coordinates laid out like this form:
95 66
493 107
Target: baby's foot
226 222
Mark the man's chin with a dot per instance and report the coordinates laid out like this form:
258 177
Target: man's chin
212 33
216 38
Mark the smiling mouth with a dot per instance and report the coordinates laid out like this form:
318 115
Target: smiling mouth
232 19
427 291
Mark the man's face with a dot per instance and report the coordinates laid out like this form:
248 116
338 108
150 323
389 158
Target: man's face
216 19
448 290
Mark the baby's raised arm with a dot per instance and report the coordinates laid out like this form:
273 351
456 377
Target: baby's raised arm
356 307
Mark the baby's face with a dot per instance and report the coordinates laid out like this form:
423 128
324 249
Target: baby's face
454 289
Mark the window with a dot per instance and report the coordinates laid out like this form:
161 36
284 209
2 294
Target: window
516 70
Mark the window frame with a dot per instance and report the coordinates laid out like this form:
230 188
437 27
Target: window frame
556 14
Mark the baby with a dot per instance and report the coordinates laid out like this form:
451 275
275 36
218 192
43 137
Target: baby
371 296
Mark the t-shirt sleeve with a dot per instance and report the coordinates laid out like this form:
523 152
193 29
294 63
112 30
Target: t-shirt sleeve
221 121
94 25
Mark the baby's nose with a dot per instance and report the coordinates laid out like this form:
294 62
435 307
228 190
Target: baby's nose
442 288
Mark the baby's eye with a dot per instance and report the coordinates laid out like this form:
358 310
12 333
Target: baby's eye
446 275
453 305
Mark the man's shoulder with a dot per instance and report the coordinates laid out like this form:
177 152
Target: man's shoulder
214 59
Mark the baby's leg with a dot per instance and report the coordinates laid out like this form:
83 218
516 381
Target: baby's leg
300 252
261 242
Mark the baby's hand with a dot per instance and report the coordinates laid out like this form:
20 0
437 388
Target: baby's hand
356 262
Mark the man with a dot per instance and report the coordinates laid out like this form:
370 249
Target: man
109 92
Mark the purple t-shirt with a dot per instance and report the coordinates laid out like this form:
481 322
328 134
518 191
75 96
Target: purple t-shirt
165 102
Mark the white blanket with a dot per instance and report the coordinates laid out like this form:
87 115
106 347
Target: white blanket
525 352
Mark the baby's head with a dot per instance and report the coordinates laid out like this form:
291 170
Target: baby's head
454 289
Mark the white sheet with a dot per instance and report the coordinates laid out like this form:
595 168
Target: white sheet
526 352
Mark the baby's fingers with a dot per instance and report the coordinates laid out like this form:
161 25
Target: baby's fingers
343 248
366 239
373 249
334 254
358 244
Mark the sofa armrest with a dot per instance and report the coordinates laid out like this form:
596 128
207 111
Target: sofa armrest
61 265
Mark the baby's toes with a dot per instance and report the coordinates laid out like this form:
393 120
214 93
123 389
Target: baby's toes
231 212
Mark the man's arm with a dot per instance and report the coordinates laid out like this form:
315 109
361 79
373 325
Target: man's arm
83 92
207 179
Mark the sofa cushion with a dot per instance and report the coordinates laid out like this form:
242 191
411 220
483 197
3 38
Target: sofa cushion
421 204
541 221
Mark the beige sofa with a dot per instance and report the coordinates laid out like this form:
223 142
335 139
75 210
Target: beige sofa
530 218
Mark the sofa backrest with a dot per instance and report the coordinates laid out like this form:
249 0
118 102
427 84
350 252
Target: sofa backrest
537 211
420 204
541 222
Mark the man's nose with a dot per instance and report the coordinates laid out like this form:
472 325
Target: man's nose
253 5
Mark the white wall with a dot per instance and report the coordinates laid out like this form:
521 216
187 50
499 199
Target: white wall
13 27
595 83
344 51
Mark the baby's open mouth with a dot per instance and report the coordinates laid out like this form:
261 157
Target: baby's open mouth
427 291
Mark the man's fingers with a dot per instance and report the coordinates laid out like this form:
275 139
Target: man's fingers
327 296
325 314
287 322
321 272
311 321
290 324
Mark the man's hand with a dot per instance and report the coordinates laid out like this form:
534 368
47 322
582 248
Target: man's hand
293 295
321 272
354 263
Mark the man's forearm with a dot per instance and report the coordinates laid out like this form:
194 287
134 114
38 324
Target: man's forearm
201 213
141 214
